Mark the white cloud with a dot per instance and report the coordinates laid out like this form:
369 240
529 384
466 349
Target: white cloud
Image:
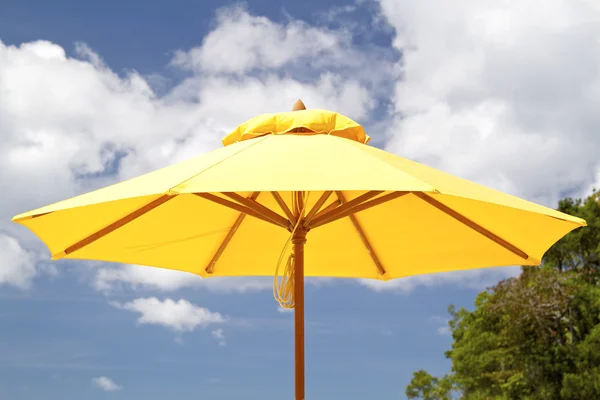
443 327
106 384
108 279
180 316
477 279
284 310
219 335
443 330
335 13
17 266
85 115
69 124
504 94
242 42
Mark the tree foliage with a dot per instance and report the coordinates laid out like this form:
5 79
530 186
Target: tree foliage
536 336
427 387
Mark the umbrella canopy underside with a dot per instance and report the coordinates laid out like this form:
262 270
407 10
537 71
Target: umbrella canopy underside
226 213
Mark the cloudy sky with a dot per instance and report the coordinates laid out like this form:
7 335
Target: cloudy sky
503 93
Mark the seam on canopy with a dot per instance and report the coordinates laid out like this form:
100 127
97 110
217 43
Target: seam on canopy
258 140
351 143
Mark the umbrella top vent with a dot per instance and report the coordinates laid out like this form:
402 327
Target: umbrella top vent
299 121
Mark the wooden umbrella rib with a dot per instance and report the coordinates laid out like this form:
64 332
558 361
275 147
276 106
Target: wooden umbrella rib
311 214
300 204
33 216
471 224
211 265
363 237
350 208
284 207
335 204
343 208
260 209
375 202
239 207
118 224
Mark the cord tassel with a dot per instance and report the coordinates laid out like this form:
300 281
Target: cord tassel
283 285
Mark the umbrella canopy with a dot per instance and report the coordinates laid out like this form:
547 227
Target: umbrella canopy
417 220
304 176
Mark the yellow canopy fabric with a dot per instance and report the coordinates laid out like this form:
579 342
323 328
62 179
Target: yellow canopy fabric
306 121
435 225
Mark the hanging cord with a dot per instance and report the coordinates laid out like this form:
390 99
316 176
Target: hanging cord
283 286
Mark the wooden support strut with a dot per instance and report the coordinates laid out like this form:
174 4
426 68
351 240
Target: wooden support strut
211 265
336 203
471 224
363 237
353 206
311 214
286 210
342 210
243 209
259 208
116 225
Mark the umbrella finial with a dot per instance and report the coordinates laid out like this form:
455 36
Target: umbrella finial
298 105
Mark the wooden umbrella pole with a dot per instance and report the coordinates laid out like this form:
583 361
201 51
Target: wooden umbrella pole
299 240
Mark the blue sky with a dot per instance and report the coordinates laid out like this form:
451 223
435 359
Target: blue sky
93 93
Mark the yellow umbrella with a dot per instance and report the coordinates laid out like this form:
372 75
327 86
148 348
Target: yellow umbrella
288 177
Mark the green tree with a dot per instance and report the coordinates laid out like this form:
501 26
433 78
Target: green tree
426 387
584 382
580 249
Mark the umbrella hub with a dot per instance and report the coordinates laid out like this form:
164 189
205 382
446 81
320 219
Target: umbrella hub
299 236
